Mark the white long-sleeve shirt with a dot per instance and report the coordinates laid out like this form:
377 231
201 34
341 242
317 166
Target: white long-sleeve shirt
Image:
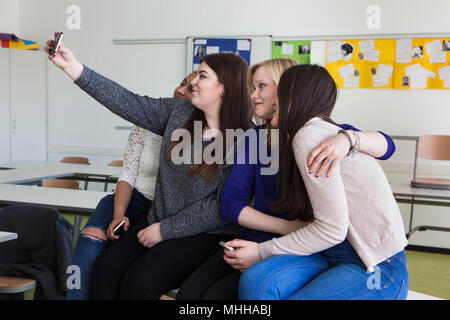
141 161
355 202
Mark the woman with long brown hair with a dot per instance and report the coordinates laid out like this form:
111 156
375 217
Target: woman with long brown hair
183 227
352 243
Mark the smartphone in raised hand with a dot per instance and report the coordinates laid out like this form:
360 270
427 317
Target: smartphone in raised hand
55 47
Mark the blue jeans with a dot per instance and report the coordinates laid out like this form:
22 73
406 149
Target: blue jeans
87 249
333 274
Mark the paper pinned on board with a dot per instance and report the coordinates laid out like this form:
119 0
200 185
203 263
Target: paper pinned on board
444 74
380 80
447 83
351 82
418 83
419 76
334 46
433 46
414 70
347 71
212 49
386 70
287 49
367 45
434 49
403 50
333 56
243 45
334 51
372 55
438 57
200 41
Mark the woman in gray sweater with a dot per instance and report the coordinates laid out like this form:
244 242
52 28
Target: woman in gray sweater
183 227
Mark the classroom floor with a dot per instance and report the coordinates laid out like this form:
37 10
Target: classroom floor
429 273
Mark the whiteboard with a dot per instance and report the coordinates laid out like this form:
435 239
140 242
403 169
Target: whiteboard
261 48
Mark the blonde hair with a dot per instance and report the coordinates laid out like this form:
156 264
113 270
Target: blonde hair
275 68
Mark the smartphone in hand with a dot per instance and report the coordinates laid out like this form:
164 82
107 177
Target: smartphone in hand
223 244
55 47
119 229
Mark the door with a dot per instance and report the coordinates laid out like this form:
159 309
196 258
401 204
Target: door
28 105
5 137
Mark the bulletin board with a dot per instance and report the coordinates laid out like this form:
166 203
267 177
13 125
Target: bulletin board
253 49
297 50
365 64
422 63
407 64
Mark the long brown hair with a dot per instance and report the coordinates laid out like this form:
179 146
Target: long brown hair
235 112
304 92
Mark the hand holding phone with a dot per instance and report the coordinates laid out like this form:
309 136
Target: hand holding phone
223 244
55 47
119 229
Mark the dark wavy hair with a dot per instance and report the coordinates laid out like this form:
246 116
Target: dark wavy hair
236 109
304 92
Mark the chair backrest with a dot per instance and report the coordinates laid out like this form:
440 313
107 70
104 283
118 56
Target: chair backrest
80 160
116 163
61 183
434 147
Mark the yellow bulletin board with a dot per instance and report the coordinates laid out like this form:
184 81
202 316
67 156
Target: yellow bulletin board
422 63
361 63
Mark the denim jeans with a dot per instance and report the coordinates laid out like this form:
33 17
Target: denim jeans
333 274
88 250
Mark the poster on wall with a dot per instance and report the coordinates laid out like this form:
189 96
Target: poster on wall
422 64
204 46
297 50
365 64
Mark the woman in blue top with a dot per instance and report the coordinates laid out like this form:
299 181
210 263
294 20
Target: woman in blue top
218 278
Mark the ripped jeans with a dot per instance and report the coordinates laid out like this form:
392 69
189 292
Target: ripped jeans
87 250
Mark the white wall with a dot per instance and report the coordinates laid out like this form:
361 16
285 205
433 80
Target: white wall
9 16
75 120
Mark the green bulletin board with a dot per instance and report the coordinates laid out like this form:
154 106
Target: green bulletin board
298 50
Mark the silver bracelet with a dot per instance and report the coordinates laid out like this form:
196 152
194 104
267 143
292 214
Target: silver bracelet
357 143
352 146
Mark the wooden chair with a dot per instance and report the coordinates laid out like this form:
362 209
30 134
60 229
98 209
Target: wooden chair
77 160
116 163
14 287
432 147
61 183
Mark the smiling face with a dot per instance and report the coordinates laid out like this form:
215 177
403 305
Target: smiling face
206 89
264 95
184 90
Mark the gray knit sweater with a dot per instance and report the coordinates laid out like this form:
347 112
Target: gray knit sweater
184 205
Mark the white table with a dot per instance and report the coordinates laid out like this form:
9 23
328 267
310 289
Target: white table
13 188
68 200
77 202
34 172
6 236
66 167
404 193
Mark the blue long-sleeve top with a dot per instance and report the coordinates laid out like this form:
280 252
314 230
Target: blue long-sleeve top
246 179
